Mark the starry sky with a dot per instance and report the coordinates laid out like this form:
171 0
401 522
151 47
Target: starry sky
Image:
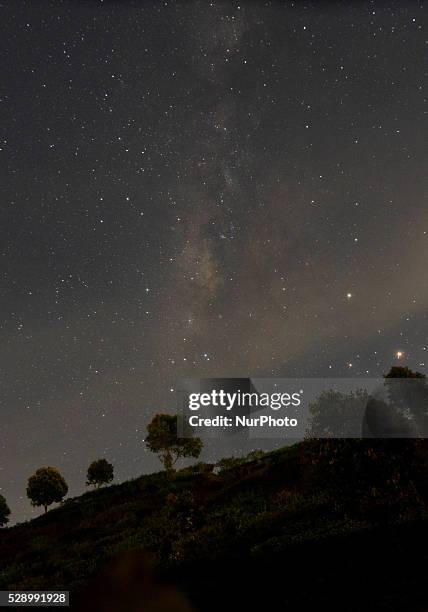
200 189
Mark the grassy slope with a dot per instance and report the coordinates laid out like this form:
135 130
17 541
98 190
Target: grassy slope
228 536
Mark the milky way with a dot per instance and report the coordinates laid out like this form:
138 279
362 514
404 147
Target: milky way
197 189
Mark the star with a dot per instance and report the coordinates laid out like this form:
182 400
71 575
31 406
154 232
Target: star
222 188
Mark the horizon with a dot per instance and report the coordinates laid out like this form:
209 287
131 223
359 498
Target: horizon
196 190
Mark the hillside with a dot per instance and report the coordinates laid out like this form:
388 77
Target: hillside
256 533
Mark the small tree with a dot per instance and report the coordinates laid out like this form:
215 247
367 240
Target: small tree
4 511
163 440
46 486
100 472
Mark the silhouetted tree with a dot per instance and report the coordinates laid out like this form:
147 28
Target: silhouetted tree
409 397
4 511
403 372
46 486
375 473
163 440
99 472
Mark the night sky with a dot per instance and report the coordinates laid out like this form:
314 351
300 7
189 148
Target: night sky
196 189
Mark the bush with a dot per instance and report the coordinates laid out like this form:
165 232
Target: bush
369 474
228 463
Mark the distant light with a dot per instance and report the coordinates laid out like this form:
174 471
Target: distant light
399 354
349 296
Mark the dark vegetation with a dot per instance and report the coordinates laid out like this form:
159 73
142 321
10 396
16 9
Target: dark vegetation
46 487
331 523
266 527
163 440
100 472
